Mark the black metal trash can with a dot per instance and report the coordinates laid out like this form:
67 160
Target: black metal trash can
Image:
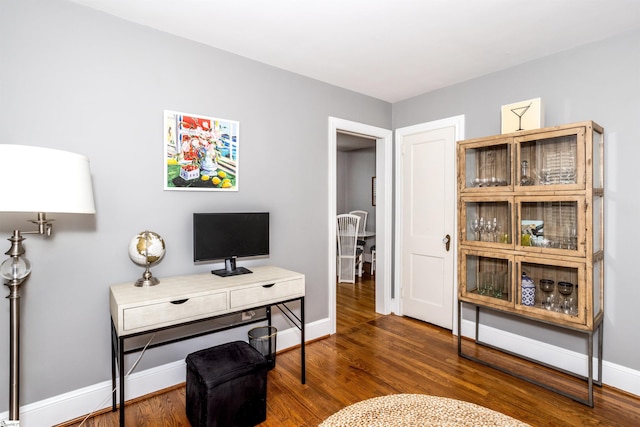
263 339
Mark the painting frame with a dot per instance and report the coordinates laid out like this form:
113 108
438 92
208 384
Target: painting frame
201 153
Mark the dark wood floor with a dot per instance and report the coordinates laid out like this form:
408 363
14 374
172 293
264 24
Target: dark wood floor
373 355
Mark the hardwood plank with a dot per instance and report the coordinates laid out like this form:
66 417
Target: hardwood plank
374 355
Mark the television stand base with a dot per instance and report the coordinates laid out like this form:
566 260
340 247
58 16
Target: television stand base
226 273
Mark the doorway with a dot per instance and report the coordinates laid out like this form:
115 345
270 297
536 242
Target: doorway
383 223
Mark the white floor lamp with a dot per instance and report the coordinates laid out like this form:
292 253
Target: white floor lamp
38 180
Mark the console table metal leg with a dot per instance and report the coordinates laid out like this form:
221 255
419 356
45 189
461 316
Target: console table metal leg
114 353
121 385
303 369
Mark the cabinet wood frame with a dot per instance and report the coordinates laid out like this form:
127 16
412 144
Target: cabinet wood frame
581 192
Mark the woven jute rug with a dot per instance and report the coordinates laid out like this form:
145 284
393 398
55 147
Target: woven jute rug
412 410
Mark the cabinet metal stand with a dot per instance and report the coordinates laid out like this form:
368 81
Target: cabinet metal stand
118 350
590 381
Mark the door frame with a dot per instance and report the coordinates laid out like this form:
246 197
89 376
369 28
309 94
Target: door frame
458 123
384 211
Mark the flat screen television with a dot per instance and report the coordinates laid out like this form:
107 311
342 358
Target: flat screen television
227 236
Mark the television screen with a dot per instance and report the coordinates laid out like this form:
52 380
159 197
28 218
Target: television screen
218 236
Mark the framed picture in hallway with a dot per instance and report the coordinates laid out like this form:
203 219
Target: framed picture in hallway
373 191
201 153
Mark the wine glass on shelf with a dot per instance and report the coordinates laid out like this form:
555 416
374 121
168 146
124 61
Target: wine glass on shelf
475 227
566 289
493 229
546 286
487 230
572 238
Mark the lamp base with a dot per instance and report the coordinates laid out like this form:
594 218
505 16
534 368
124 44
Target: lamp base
7 423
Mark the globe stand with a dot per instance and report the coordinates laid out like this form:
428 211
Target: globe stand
146 249
147 279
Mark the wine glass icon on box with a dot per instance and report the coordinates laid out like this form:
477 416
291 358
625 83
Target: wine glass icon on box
523 115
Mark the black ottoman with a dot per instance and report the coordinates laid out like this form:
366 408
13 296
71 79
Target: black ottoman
227 386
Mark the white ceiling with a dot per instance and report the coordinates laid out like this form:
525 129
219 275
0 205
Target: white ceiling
388 49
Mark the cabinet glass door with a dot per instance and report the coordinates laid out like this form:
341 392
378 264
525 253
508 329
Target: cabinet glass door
598 156
487 222
598 223
554 158
597 306
553 286
487 278
485 166
551 224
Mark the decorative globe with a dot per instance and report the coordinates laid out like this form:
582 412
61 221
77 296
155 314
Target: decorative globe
146 249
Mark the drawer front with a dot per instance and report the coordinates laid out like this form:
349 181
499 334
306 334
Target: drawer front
265 294
168 313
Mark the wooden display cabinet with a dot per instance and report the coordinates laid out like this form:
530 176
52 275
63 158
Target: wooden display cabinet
531 212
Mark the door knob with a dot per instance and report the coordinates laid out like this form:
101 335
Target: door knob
447 241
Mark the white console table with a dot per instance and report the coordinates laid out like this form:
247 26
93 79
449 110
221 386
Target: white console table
185 300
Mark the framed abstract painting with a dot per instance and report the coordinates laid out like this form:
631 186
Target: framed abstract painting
201 153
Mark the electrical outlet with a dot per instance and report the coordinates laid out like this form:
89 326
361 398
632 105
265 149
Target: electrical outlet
248 315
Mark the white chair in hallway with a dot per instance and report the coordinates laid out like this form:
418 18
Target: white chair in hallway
350 257
363 225
373 259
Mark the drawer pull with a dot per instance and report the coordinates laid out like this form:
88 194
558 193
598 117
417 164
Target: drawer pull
180 301
268 286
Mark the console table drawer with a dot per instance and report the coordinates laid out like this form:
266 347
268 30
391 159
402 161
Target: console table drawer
173 312
266 293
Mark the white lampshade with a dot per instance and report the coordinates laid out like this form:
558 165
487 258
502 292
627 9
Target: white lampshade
37 179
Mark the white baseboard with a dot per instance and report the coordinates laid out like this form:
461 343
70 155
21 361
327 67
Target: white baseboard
79 402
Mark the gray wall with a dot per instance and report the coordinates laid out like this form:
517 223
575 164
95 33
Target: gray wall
355 169
599 82
76 79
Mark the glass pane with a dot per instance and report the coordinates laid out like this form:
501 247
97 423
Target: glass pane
598 179
548 161
488 222
549 224
554 288
488 276
488 166
598 208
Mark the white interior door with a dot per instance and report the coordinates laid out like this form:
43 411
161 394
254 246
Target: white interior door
427 189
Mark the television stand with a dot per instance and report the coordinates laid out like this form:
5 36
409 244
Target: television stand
223 272
230 269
